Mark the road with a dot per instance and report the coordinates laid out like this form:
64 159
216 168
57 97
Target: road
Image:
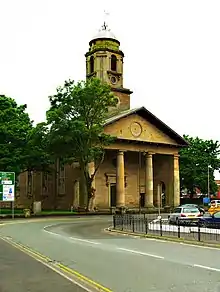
121 263
19 272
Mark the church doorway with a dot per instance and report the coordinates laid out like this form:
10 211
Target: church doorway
142 200
113 195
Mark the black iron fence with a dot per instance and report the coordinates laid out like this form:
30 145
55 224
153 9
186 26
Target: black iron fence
145 224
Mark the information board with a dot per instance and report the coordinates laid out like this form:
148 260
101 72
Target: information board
7 186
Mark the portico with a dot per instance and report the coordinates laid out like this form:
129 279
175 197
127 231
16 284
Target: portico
128 179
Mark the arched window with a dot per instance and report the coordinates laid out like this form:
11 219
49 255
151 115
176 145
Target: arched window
113 63
91 64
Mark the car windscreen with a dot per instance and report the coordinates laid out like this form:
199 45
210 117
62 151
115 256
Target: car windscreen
190 210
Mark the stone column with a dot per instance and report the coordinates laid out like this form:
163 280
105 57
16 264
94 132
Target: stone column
120 180
149 187
159 193
176 181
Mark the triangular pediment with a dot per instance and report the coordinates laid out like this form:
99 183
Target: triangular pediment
141 125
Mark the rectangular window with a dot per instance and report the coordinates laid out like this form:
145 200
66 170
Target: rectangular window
45 182
29 183
17 186
61 179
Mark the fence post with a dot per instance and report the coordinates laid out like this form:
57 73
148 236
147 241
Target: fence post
114 222
122 222
161 228
133 223
146 225
199 233
178 228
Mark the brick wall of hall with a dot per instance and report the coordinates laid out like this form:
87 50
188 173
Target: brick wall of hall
106 175
43 189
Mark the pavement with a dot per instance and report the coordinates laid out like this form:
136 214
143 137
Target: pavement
19 272
119 263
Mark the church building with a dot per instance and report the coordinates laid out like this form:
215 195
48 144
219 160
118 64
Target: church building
140 169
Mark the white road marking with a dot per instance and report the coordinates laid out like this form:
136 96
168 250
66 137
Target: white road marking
84 240
198 246
65 237
206 268
141 253
52 233
154 239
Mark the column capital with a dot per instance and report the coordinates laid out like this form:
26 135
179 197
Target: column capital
148 153
176 156
121 152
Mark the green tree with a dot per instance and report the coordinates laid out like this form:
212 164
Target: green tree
23 147
15 125
37 156
195 161
76 117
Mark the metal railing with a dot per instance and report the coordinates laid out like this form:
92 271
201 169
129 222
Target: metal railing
145 224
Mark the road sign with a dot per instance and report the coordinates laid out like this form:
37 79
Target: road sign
7 186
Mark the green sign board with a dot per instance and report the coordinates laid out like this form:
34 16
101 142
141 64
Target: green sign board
7 186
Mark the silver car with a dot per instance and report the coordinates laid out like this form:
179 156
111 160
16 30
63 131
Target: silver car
184 214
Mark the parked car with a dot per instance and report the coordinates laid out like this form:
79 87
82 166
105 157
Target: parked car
202 210
214 206
210 220
214 203
184 215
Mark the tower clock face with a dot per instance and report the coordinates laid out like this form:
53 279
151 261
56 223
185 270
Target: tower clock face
113 80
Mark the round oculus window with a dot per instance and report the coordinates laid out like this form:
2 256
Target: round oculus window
113 80
136 129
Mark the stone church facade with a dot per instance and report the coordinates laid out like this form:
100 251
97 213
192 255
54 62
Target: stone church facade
142 164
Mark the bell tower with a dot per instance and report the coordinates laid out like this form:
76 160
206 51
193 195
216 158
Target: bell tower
104 60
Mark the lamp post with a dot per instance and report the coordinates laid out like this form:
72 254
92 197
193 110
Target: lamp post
208 181
159 197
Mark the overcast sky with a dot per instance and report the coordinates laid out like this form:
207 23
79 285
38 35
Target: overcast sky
172 54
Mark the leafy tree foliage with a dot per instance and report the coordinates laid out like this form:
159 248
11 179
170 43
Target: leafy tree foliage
37 156
15 125
194 163
76 118
22 146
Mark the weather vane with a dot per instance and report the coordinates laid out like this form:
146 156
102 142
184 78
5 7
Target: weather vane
106 14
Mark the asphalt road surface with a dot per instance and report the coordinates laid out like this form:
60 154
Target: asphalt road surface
19 272
121 263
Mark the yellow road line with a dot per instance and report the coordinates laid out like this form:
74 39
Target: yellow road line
36 255
84 278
